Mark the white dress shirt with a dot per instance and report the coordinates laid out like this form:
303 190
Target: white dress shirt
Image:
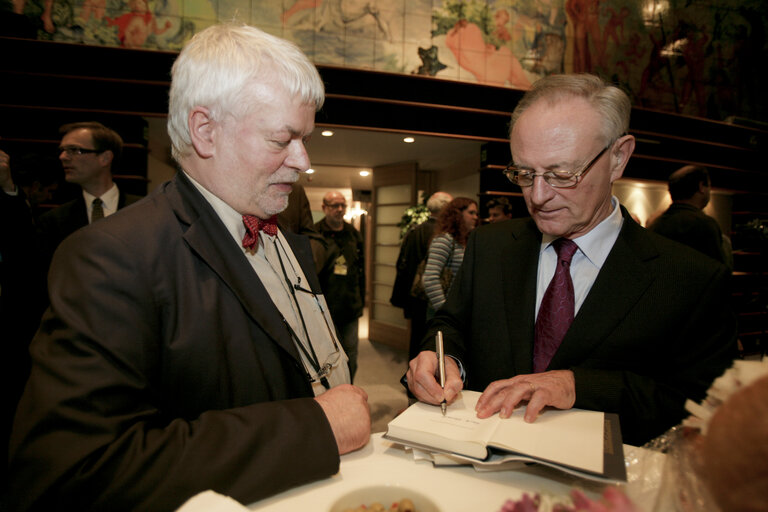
275 265
109 200
594 248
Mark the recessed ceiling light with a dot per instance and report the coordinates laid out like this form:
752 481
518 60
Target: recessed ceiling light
365 173
409 140
327 133
310 171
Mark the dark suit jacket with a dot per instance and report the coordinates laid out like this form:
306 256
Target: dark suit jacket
655 329
689 225
412 252
163 369
56 225
297 218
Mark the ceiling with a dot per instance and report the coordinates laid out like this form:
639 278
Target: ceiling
339 159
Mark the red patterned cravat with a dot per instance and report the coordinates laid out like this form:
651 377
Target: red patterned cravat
253 225
556 309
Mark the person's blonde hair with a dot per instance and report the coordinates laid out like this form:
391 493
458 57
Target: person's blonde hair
217 68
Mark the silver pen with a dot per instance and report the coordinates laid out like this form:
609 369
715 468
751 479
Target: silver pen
441 366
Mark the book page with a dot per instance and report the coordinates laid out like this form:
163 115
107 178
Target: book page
460 426
572 437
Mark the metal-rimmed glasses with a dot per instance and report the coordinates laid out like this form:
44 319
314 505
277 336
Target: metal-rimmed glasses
556 178
77 150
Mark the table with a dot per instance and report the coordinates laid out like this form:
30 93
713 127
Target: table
459 488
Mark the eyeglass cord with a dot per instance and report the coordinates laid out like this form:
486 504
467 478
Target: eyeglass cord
309 354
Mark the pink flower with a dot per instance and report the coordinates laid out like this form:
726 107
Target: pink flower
525 504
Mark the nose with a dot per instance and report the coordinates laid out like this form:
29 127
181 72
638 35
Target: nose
298 158
540 191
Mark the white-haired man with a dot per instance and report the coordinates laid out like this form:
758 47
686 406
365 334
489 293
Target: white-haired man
192 351
631 322
413 251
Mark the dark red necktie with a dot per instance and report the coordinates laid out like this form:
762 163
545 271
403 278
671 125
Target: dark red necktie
253 225
556 309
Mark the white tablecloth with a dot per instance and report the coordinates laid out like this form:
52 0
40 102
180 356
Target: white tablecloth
455 488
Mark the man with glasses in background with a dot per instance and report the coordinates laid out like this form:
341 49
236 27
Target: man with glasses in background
579 306
342 277
87 152
187 346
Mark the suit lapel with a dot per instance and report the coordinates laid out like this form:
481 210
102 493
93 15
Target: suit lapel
622 281
209 239
79 217
520 308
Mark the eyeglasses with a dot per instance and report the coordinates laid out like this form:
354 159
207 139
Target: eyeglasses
76 150
335 206
556 179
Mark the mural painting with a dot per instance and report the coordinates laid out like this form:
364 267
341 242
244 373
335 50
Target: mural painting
704 58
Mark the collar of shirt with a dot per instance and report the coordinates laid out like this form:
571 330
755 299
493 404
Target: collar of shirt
594 248
232 220
109 200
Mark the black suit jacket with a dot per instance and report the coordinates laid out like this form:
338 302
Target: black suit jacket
163 369
656 327
56 225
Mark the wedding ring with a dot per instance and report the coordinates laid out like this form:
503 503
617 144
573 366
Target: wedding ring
533 388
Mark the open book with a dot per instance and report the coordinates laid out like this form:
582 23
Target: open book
586 443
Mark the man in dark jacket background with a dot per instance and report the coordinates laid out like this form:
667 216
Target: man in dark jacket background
342 277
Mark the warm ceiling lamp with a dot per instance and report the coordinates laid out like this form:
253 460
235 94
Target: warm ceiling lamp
365 173
409 140
310 171
327 133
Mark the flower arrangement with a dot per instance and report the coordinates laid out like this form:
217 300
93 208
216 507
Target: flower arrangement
612 500
412 216
737 377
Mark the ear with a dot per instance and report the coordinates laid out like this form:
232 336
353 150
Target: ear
106 158
622 150
201 127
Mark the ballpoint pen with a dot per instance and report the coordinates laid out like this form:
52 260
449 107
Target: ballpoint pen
441 366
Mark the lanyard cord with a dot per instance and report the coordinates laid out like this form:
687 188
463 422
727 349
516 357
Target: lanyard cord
298 287
311 357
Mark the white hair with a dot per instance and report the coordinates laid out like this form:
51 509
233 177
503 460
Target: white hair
437 200
217 68
611 103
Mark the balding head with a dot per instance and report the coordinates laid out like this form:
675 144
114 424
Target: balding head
334 208
690 183
437 200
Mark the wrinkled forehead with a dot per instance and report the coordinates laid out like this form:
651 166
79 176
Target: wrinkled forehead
550 124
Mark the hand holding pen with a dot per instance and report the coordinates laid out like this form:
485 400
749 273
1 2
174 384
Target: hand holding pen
423 379
441 366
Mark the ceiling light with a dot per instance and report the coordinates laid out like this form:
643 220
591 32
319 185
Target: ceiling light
409 140
365 173
310 171
327 133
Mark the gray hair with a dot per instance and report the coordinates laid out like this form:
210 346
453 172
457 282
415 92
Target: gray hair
217 68
610 102
437 200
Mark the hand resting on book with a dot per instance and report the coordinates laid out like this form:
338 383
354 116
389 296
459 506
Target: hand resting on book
422 379
556 388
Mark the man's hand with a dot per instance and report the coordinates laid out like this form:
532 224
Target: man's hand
556 388
422 379
349 414
6 181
